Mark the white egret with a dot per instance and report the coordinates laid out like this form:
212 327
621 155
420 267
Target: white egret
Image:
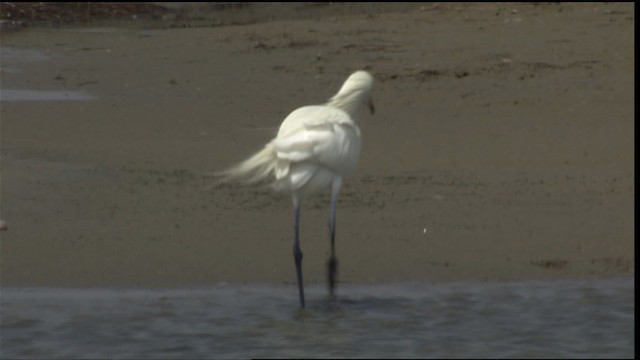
315 148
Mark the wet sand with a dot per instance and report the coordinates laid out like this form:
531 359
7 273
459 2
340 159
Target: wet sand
502 147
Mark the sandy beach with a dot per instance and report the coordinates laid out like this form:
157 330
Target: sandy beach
502 147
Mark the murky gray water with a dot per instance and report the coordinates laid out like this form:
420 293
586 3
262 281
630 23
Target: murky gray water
591 318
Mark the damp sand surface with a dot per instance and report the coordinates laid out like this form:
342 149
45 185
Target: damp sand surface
501 149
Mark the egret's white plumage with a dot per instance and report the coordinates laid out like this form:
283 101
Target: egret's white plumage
316 146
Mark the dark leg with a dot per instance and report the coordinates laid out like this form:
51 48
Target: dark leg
297 253
332 264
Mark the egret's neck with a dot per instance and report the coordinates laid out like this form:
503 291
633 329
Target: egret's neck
349 103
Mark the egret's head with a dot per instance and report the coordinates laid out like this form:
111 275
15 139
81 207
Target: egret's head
358 81
355 91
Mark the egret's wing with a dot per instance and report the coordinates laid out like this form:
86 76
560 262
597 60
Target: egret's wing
300 145
336 146
310 117
301 173
312 137
302 130
340 150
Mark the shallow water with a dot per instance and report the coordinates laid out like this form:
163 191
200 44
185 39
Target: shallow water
590 318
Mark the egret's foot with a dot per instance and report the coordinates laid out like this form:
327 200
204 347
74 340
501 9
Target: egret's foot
297 255
332 272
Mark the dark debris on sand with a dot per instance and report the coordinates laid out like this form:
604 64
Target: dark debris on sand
25 14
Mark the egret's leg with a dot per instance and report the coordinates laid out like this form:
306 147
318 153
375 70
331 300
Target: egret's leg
297 253
332 264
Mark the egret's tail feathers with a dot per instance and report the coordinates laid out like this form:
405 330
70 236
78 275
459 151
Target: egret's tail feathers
254 169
